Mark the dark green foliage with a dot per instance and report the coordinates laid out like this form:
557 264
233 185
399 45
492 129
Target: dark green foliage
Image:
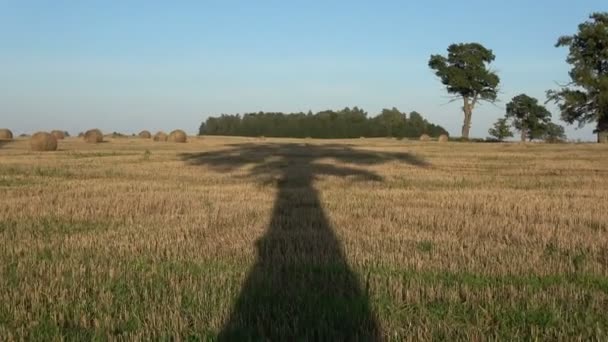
532 120
466 75
528 117
500 130
464 71
585 99
345 123
554 133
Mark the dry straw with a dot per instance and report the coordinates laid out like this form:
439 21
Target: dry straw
178 136
43 141
425 137
160 136
93 136
6 134
145 134
443 138
472 248
59 135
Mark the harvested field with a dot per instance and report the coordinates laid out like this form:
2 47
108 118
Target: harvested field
242 238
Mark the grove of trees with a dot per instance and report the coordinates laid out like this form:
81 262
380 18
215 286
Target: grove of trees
466 75
531 119
328 124
528 116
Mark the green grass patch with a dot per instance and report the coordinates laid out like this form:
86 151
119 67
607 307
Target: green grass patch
536 282
57 172
10 182
425 246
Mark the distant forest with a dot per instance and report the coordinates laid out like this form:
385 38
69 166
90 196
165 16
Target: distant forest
328 124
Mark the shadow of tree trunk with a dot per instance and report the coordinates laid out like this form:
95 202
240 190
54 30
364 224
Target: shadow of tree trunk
301 287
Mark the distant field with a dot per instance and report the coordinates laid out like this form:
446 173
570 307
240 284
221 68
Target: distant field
243 238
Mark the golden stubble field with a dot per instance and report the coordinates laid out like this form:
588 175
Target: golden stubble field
250 239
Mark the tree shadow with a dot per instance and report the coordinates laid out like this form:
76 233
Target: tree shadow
301 286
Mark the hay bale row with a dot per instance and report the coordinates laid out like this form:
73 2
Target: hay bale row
6 134
43 141
176 136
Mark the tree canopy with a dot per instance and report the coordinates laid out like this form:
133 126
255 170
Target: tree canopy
554 133
500 130
585 99
345 123
466 75
528 116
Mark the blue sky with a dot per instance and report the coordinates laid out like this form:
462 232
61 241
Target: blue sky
132 65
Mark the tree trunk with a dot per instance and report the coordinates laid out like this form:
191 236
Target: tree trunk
602 130
523 134
468 112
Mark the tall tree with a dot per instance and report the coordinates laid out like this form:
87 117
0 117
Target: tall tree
465 73
501 130
585 98
528 116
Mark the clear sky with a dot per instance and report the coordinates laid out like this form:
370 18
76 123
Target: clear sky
132 65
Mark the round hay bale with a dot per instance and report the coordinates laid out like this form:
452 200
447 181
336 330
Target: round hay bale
43 141
443 138
178 136
6 134
93 136
145 135
425 137
59 135
160 136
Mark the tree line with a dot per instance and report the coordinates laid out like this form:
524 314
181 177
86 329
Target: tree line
327 124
